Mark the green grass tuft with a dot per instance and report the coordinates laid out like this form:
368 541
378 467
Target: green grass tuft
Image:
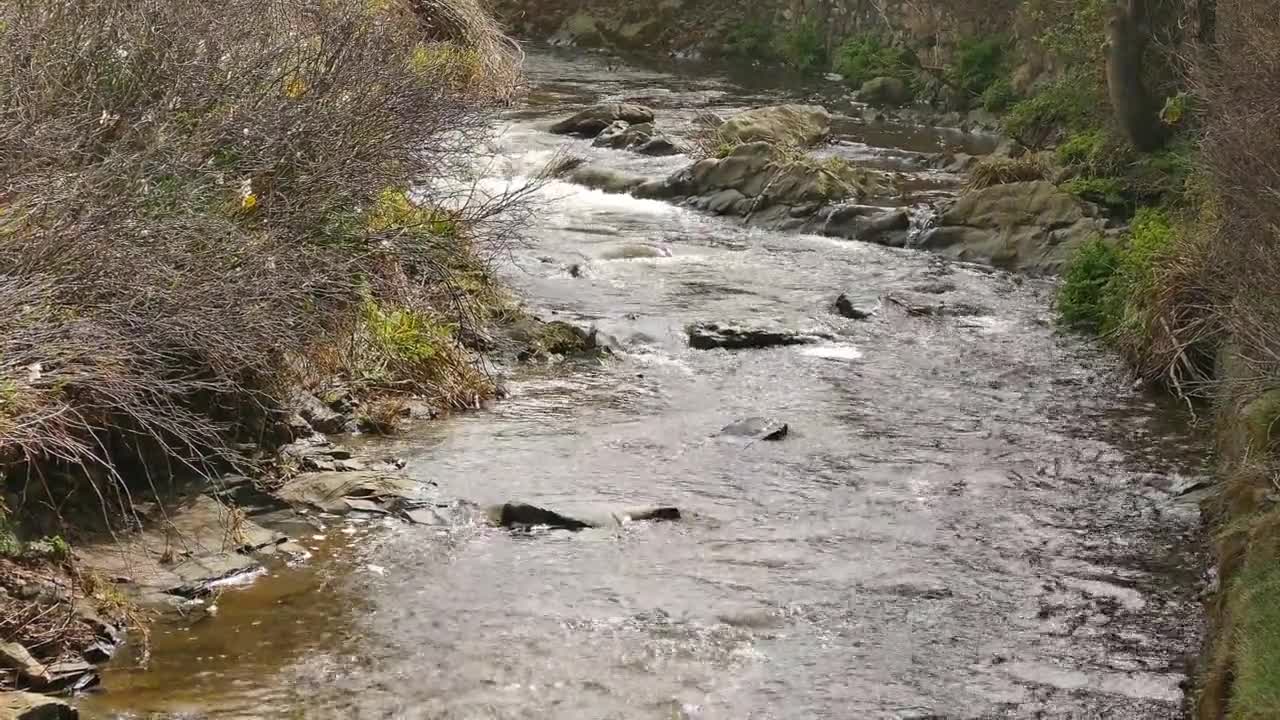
1256 693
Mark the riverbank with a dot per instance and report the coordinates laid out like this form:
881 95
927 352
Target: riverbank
208 256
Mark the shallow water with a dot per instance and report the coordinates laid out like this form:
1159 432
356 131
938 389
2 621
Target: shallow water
971 517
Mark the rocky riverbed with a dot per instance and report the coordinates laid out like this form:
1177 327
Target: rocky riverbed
836 462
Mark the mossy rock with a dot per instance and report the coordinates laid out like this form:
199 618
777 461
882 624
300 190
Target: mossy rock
534 338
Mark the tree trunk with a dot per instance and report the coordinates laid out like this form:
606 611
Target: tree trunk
1135 109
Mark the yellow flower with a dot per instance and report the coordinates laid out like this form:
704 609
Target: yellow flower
295 88
248 202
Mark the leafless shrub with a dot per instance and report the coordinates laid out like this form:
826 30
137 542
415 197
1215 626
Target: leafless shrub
187 207
1239 82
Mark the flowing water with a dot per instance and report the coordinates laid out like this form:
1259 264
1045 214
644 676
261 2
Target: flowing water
971 518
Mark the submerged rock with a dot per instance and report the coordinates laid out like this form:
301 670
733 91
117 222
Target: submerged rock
1026 226
30 706
795 125
920 306
592 121
709 336
606 179
756 428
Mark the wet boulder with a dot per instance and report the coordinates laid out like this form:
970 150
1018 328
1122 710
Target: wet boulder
30 706
768 187
1025 226
710 336
641 138
535 338
793 125
867 223
595 119
756 428
884 91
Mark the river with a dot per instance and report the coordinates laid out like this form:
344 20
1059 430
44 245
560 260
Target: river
972 517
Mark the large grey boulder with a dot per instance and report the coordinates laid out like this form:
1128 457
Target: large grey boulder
757 177
29 706
884 91
1026 226
795 125
592 121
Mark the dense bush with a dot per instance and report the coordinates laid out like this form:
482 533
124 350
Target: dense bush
754 39
1071 102
194 216
978 64
865 57
804 48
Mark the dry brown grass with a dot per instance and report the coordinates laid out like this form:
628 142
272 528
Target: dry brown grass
1004 170
190 204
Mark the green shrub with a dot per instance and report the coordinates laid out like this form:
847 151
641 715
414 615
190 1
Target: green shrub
803 48
979 63
1081 148
1069 103
1108 289
1110 191
753 38
866 57
1084 301
998 96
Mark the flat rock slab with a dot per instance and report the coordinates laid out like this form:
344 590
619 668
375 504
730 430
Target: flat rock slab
709 336
202 542
16 657
756 428
331 491
30 706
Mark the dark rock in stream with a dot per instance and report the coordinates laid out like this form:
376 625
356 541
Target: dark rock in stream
594 120
668 514
709 336
856 307
524 515
756 428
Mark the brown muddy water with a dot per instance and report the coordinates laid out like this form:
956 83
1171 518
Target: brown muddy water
972 516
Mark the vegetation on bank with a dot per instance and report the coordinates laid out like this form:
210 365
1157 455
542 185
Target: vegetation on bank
207 207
